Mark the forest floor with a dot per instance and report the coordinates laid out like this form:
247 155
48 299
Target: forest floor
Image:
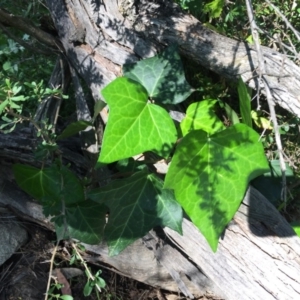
25 275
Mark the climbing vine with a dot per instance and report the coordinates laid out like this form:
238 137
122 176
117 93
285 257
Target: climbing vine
209 165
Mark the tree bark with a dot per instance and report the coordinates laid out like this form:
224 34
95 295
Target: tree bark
98 40
257 258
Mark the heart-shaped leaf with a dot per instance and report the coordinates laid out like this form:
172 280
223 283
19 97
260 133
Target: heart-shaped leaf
201 115
62 196
52 186
162 76
210 174
134 125
136 204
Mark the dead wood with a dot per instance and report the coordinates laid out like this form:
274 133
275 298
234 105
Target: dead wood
108 40
257 258
258 255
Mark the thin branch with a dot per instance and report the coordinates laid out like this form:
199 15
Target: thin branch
88 272
28 27
24 44
263 79
283 17
51 268
23 118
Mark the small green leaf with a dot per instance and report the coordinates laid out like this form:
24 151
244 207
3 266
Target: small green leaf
16 89
134 126
88 288
260 121
3 105
66 297
214 8
162 76
7 65
18 98
210 174
230 113
245 103
74 128
137 204
201 115
100 282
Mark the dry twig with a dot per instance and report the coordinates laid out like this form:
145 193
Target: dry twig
262 79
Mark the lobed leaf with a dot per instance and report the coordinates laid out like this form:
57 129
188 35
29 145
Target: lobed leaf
136 204
210 174
84 221
134 125
162 76
52 186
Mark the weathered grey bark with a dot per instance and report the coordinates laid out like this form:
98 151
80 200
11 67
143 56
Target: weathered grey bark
106 40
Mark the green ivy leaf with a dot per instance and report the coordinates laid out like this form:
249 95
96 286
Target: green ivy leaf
137 204
134 126
73 129
162 76
51 186
85 221
201 115
210 174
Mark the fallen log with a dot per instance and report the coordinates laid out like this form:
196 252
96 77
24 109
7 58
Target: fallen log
257 258
258 255
117 32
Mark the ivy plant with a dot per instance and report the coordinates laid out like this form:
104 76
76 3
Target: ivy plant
210 166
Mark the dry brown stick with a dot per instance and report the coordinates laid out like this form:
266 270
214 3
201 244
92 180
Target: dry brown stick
261 70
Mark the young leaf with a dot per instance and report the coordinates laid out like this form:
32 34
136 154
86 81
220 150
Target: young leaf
134 126
214 8
201 115
162 76
73 129
3 105
245 103
137 204
230 113
210 174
